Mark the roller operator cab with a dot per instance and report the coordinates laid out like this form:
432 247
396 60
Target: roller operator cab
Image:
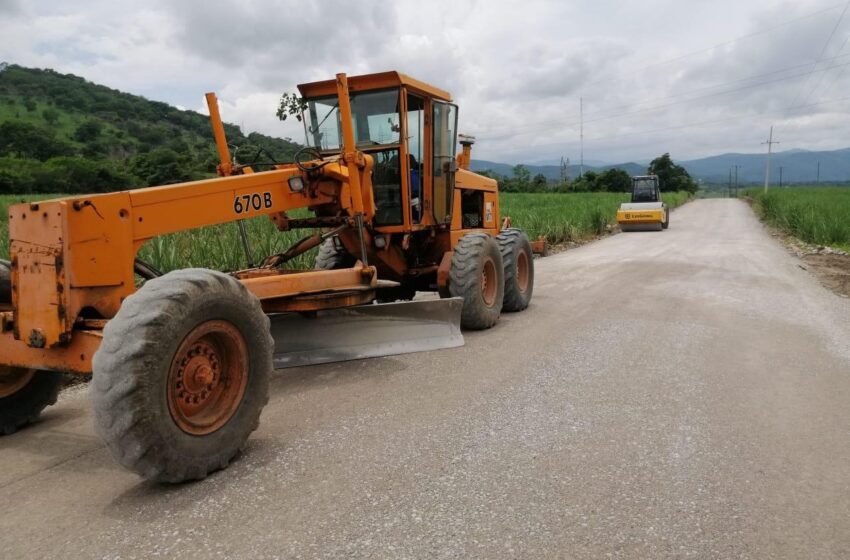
646 211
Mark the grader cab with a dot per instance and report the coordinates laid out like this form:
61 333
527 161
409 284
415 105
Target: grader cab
181 361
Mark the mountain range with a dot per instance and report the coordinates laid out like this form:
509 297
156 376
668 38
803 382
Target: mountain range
60 133
795 166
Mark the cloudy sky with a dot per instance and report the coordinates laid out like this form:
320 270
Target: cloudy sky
693 77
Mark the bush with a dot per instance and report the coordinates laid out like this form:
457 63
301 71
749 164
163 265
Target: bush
28 141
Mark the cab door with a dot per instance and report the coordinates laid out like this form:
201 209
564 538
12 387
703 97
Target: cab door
444 164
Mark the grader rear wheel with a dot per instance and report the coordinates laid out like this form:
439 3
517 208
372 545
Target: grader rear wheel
477 275
518 260
24 393
182 375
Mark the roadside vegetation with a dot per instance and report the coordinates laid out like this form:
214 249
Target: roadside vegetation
671 176
570 217
558 217
818 215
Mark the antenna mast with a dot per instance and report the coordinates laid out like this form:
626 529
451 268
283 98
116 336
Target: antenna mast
581 136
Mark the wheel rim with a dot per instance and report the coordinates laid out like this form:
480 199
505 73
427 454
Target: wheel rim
522 271
208 377
489 286
13 379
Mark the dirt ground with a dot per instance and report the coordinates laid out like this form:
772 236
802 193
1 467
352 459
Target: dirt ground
830 266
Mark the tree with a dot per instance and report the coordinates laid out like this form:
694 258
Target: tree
520 182
87 131
671 177
25 140
615 180
586 183
539 183
161 166
51 116
78 175
522 174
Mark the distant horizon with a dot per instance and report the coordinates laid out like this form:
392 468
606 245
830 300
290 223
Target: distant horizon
644 161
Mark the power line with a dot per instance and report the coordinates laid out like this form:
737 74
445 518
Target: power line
692 53
723 44
844 44
840 74
560 123
819 59
723 120
730 82
674 96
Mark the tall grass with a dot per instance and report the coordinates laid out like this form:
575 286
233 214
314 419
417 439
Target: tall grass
816 215
558 217
569 217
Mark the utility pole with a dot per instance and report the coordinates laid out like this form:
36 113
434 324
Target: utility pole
818 179
581 135
736 180
780 175
729 188
770 142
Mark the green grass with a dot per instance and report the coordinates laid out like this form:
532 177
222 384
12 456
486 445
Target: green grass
569 217
559 217
218 247
818 215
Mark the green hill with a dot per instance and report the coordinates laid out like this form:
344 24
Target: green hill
60 133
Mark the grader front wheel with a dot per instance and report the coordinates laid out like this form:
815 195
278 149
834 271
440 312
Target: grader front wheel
182 375
5 281
24 393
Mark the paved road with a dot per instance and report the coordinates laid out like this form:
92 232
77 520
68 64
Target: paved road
668 395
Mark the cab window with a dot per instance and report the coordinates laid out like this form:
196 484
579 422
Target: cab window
415 125
444 144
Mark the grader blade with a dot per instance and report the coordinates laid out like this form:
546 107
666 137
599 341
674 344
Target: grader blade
366 331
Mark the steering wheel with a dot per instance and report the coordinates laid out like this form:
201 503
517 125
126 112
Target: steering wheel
313 151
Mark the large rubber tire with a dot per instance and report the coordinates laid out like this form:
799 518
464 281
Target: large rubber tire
332 256
5 281
477 255
666 223
23 406
518 261
137 373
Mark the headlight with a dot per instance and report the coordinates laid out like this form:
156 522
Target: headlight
296 184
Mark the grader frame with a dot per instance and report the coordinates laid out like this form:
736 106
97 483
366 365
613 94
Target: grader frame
182 362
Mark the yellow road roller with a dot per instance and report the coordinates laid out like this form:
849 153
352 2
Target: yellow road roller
646 211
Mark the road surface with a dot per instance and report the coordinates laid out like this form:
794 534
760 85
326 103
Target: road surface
668 395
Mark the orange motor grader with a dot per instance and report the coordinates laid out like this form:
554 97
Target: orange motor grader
180 362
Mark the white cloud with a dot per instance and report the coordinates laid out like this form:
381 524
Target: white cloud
516 69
